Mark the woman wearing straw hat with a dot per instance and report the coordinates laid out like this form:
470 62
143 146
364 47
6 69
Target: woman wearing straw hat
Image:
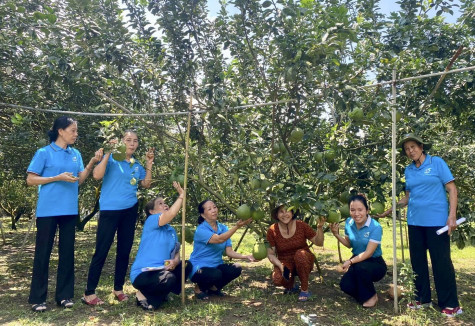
428 179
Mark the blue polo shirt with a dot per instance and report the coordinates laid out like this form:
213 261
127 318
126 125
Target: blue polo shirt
156 245
428 205
371 231
207 254
117 192
59 197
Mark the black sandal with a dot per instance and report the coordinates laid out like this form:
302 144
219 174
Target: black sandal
217 293
202 296
39 307
143 304
67 303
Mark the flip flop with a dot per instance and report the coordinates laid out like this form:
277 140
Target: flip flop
295 289
303 296
94 302
121 297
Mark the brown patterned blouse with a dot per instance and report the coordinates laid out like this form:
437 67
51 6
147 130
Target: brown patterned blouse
286 248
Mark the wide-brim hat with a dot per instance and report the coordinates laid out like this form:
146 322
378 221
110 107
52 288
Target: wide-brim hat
414 137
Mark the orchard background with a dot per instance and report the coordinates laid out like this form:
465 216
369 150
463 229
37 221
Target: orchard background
139 56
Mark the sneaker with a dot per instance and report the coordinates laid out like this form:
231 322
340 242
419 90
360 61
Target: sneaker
452 312
418 305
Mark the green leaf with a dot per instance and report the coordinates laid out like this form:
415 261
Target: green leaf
266 4
51 18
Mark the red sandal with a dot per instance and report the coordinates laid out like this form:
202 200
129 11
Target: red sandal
121 297
94 302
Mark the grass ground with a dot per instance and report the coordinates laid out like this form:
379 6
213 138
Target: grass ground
251 300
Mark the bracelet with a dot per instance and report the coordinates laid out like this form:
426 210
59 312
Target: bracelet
351 262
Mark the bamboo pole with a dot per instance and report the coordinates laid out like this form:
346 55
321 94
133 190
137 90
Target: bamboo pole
393 144
183 210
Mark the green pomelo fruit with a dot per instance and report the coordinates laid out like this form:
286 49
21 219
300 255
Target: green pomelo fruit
189 235
296 135
276 148
259 251
265 184
357 114
330 154
344 197
334 216
318 157
172 177
243 212
282 148
255 183
345 211
180 179
258 215
377 208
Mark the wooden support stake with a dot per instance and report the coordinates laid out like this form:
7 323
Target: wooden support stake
183 210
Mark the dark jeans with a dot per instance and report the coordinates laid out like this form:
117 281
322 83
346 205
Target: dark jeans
421 239
207 277
358 280
122 221
46 230
156 285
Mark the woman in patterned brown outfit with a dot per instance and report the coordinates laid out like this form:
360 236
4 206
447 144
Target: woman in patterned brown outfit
289 252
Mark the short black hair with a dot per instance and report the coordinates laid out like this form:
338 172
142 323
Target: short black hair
361 198
201 210
60 123
274 212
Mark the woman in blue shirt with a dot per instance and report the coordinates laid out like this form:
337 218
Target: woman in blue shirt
363 234
118 213
428 180
156 270
58 170
211 240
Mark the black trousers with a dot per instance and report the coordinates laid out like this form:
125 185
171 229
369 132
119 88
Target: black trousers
359 280
45 233
421 239
120 221
156 285
207 277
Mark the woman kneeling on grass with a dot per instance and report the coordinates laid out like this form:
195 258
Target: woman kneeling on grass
289 251
156 270
211 239
363 234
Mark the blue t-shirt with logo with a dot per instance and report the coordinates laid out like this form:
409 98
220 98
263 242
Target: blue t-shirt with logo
428 205
158 243
59 197
117 192
207 254
371 231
